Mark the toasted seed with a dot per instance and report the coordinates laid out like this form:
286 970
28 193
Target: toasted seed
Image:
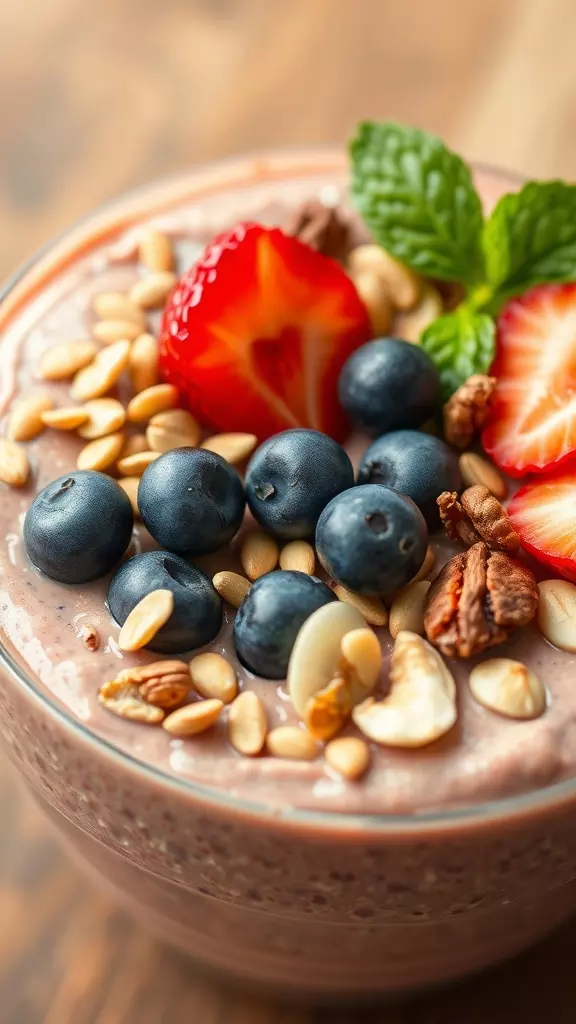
291 742
133 445
175 428
134 465
105 416
232 587
90 637
247 724
100 376
25 422
316 655
426 567
476 470
194 718
62 361
118 306
373 610
146 619
129 485
156 251
212 675
407 611
508 687
376 297
14 465
101 453
68 418
362 656
151 401
557 613
143 363
232 447
259 554
299 556
111 331
411 325
404 285
153 290
349 756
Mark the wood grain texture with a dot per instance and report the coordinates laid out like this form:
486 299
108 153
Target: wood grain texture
95 98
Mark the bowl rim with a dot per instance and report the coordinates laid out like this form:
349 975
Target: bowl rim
120 213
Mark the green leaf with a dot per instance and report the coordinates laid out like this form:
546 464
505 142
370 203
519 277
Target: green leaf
531 238
418 199
460 344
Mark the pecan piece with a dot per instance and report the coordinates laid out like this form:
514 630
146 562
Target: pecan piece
321 227
478 515
466 411
478 599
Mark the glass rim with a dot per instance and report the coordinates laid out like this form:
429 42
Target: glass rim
168 191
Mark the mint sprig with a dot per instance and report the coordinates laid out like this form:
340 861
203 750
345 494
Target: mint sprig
419 201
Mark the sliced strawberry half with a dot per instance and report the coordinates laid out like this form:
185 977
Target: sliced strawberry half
544 515
532 422
256 334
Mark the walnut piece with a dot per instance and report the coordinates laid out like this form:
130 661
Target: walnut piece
321 227
478 599
466 411
478 515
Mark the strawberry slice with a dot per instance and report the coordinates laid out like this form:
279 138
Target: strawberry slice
544 515
532 422
256 333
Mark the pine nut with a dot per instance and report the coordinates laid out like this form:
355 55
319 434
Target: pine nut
298 556
67 418
212 675
25 422
349 756
508 688
129 485
557 613
63 361
259 554
407 610
136 464
290 742
101 375
156 251
232 447
105 416
101 453
151 401
476 470
175 428
194 718
146 620
143 363
118 306
153 290
14 465
247 724
111 331
232 587
373 610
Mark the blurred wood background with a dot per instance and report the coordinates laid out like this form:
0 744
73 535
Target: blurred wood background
95 98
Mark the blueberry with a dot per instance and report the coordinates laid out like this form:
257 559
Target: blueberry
78 527
388 384
191 501
271 616
197 614
292 477
415 464
372 539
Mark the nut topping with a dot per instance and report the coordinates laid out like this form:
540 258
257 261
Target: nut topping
231 586
290 742
121 697
478 599
212 675
478 515
557 613
476 470
163 684
316 655
193 718
321 227
14 465
146 619
467 410
26 421
247 724
349 756
508 688
259 554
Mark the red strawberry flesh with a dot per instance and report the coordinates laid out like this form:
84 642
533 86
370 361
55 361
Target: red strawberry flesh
544 515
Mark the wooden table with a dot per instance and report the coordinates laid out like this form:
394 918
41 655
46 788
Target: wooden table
97 97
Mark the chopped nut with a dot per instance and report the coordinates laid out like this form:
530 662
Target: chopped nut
232 447
153 671
105 416
410 326
90 637
361 661
121 698
247 724
109 332
68 418
194 718
321 227
63 361
259 554
373 610
478 599
298 556
421 704
478 515
328 710
232 587
375 295
25 421
146 619
118 306
134 465
130 485
465 413
153 290
212 675
100 376
476 470
290 742
426 567
508 688
143 362
317 654
156 251
174 428
102 453
133 445
153 400
14 465
349 756
403 285
166 690
557 613
407 610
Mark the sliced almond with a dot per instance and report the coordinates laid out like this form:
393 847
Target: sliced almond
111 331
377 299
371 608
14 465
153 290
63 361
557 613
410 326
316 655
247 724
102 453
68 418
175 428
349 756
288 741
298 556
25 422
259 554
105 416
426 567
146 619
129 485
194 718
404 286
421 704
232 587
232 447
143 363
135 465
407 611
152 401
476 470
102 374
156 251
212 675
509 688
118 306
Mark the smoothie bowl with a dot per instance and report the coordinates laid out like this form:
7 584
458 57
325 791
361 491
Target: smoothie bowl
287 670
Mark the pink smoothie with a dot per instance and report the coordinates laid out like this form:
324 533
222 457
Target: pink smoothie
215 849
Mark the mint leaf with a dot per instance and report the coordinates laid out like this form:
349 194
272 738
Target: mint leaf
460 344
531 238
418 199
